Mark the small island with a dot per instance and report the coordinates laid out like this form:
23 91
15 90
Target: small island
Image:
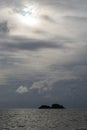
53 106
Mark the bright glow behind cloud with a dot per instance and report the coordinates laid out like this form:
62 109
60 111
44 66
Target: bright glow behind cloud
29 16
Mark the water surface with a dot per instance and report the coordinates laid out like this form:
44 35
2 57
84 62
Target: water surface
35 119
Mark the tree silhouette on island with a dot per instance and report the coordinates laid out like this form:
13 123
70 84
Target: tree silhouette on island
53 106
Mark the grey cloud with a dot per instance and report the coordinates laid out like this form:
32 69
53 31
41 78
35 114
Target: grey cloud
68 5
64 77
4 27
73 92
9 61
48 18
57 4
10 3
77 18
38 31
29 44
40 86
77 68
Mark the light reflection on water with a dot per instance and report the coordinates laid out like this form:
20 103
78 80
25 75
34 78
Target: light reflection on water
35 119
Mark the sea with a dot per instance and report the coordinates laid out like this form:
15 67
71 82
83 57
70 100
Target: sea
43 119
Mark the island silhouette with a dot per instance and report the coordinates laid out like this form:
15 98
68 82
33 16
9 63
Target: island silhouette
53 106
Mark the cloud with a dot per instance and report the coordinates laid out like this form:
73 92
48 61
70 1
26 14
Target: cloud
70 92
65 5
10 4
48 18
49 58
41 87
38 31
19 43
22 90
4 27
77 18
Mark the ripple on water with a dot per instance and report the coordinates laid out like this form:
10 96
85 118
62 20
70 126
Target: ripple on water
34 119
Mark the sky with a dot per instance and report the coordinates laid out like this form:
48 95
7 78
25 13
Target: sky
43 53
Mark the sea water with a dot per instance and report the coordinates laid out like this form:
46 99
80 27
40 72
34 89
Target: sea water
39 119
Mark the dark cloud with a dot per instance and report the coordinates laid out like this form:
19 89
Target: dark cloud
11 4
4 27
29 44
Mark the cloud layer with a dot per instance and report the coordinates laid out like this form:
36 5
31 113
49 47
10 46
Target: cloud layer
49 57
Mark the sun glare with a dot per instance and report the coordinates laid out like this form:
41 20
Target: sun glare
29 17
28 20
